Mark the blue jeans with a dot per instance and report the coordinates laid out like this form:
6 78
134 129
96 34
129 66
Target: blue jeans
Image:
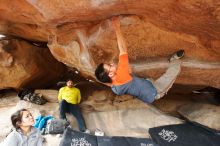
139 87
74 109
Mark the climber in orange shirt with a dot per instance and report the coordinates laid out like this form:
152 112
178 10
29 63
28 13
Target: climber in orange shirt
121 81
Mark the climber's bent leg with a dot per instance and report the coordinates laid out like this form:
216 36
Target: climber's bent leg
165 82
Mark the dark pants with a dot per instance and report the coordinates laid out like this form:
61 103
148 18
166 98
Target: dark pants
74 109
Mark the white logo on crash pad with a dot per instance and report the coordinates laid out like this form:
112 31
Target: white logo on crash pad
168 135
80 142
143 144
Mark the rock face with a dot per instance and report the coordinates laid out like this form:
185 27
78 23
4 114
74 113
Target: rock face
80 33
49 95
205 114
129 122
22 65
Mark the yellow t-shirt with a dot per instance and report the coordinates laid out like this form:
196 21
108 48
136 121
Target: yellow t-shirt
71 95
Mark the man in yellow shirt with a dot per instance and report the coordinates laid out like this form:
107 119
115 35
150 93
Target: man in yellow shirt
69 98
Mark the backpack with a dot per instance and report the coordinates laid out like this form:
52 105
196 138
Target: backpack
29 95
34 98
24 92
56 126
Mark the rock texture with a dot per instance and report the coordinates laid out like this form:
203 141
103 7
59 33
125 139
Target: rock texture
80 33
129 122
113 120
205 114
25 65
49 95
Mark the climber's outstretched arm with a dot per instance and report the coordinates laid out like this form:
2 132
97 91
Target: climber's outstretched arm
120 39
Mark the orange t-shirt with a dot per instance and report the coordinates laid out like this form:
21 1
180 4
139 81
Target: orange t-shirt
122 73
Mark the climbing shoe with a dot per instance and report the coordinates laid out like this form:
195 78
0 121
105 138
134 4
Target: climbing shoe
178 55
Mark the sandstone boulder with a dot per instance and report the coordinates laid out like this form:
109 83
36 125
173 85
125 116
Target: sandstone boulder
205 114
49 95
25 65
80 35
129 122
